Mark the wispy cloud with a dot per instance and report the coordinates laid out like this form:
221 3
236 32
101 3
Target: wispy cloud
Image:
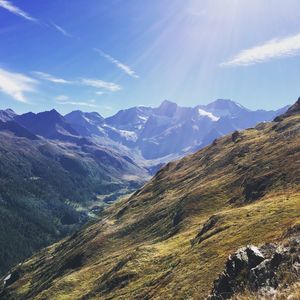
16 85
74 103
128 70
61 30
16 10
64 99
96 83
8 5
273 49
51 78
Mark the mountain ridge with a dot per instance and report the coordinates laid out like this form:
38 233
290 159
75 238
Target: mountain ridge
151 133
171 238
154 131
93 159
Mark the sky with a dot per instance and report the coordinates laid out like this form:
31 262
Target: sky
107 55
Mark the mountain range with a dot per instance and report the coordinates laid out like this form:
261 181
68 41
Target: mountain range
148 135
220 223
153 132
57 172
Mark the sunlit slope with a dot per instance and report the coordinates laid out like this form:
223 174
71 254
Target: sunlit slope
244 189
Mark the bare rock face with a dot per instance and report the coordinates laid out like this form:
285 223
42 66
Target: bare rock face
260 270
237 268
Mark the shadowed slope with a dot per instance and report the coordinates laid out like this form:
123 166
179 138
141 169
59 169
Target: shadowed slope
48 189
171 239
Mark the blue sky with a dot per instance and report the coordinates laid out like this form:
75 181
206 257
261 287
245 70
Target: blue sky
112 54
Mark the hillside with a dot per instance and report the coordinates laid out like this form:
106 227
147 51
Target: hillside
50 188
171 239
57 172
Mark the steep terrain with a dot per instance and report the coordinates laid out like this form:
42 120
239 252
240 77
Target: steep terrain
86 124
49 188
49 124
172 238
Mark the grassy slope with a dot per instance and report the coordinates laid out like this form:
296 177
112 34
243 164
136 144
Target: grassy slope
143 248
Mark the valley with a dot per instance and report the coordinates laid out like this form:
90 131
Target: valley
59 172
172 237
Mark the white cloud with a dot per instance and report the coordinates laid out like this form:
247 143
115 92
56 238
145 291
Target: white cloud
48 77
16 10
273 49
61 30
110 86
120 65
100 93
15 85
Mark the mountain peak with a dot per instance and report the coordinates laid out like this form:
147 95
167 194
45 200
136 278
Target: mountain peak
225 107
94 117
85 123
52 115
7 115
167 108
226 103
10 111
49 124
53 111
167 103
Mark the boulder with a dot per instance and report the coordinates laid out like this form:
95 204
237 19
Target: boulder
260 270
237 268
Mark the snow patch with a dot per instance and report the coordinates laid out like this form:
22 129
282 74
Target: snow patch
128 135
144 119
207 114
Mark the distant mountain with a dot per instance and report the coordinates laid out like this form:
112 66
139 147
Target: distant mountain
86 124
225 108
132 119
154 132
222 223
7 115
196 127
49 124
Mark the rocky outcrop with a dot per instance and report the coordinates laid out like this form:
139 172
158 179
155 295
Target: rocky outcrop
262 270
